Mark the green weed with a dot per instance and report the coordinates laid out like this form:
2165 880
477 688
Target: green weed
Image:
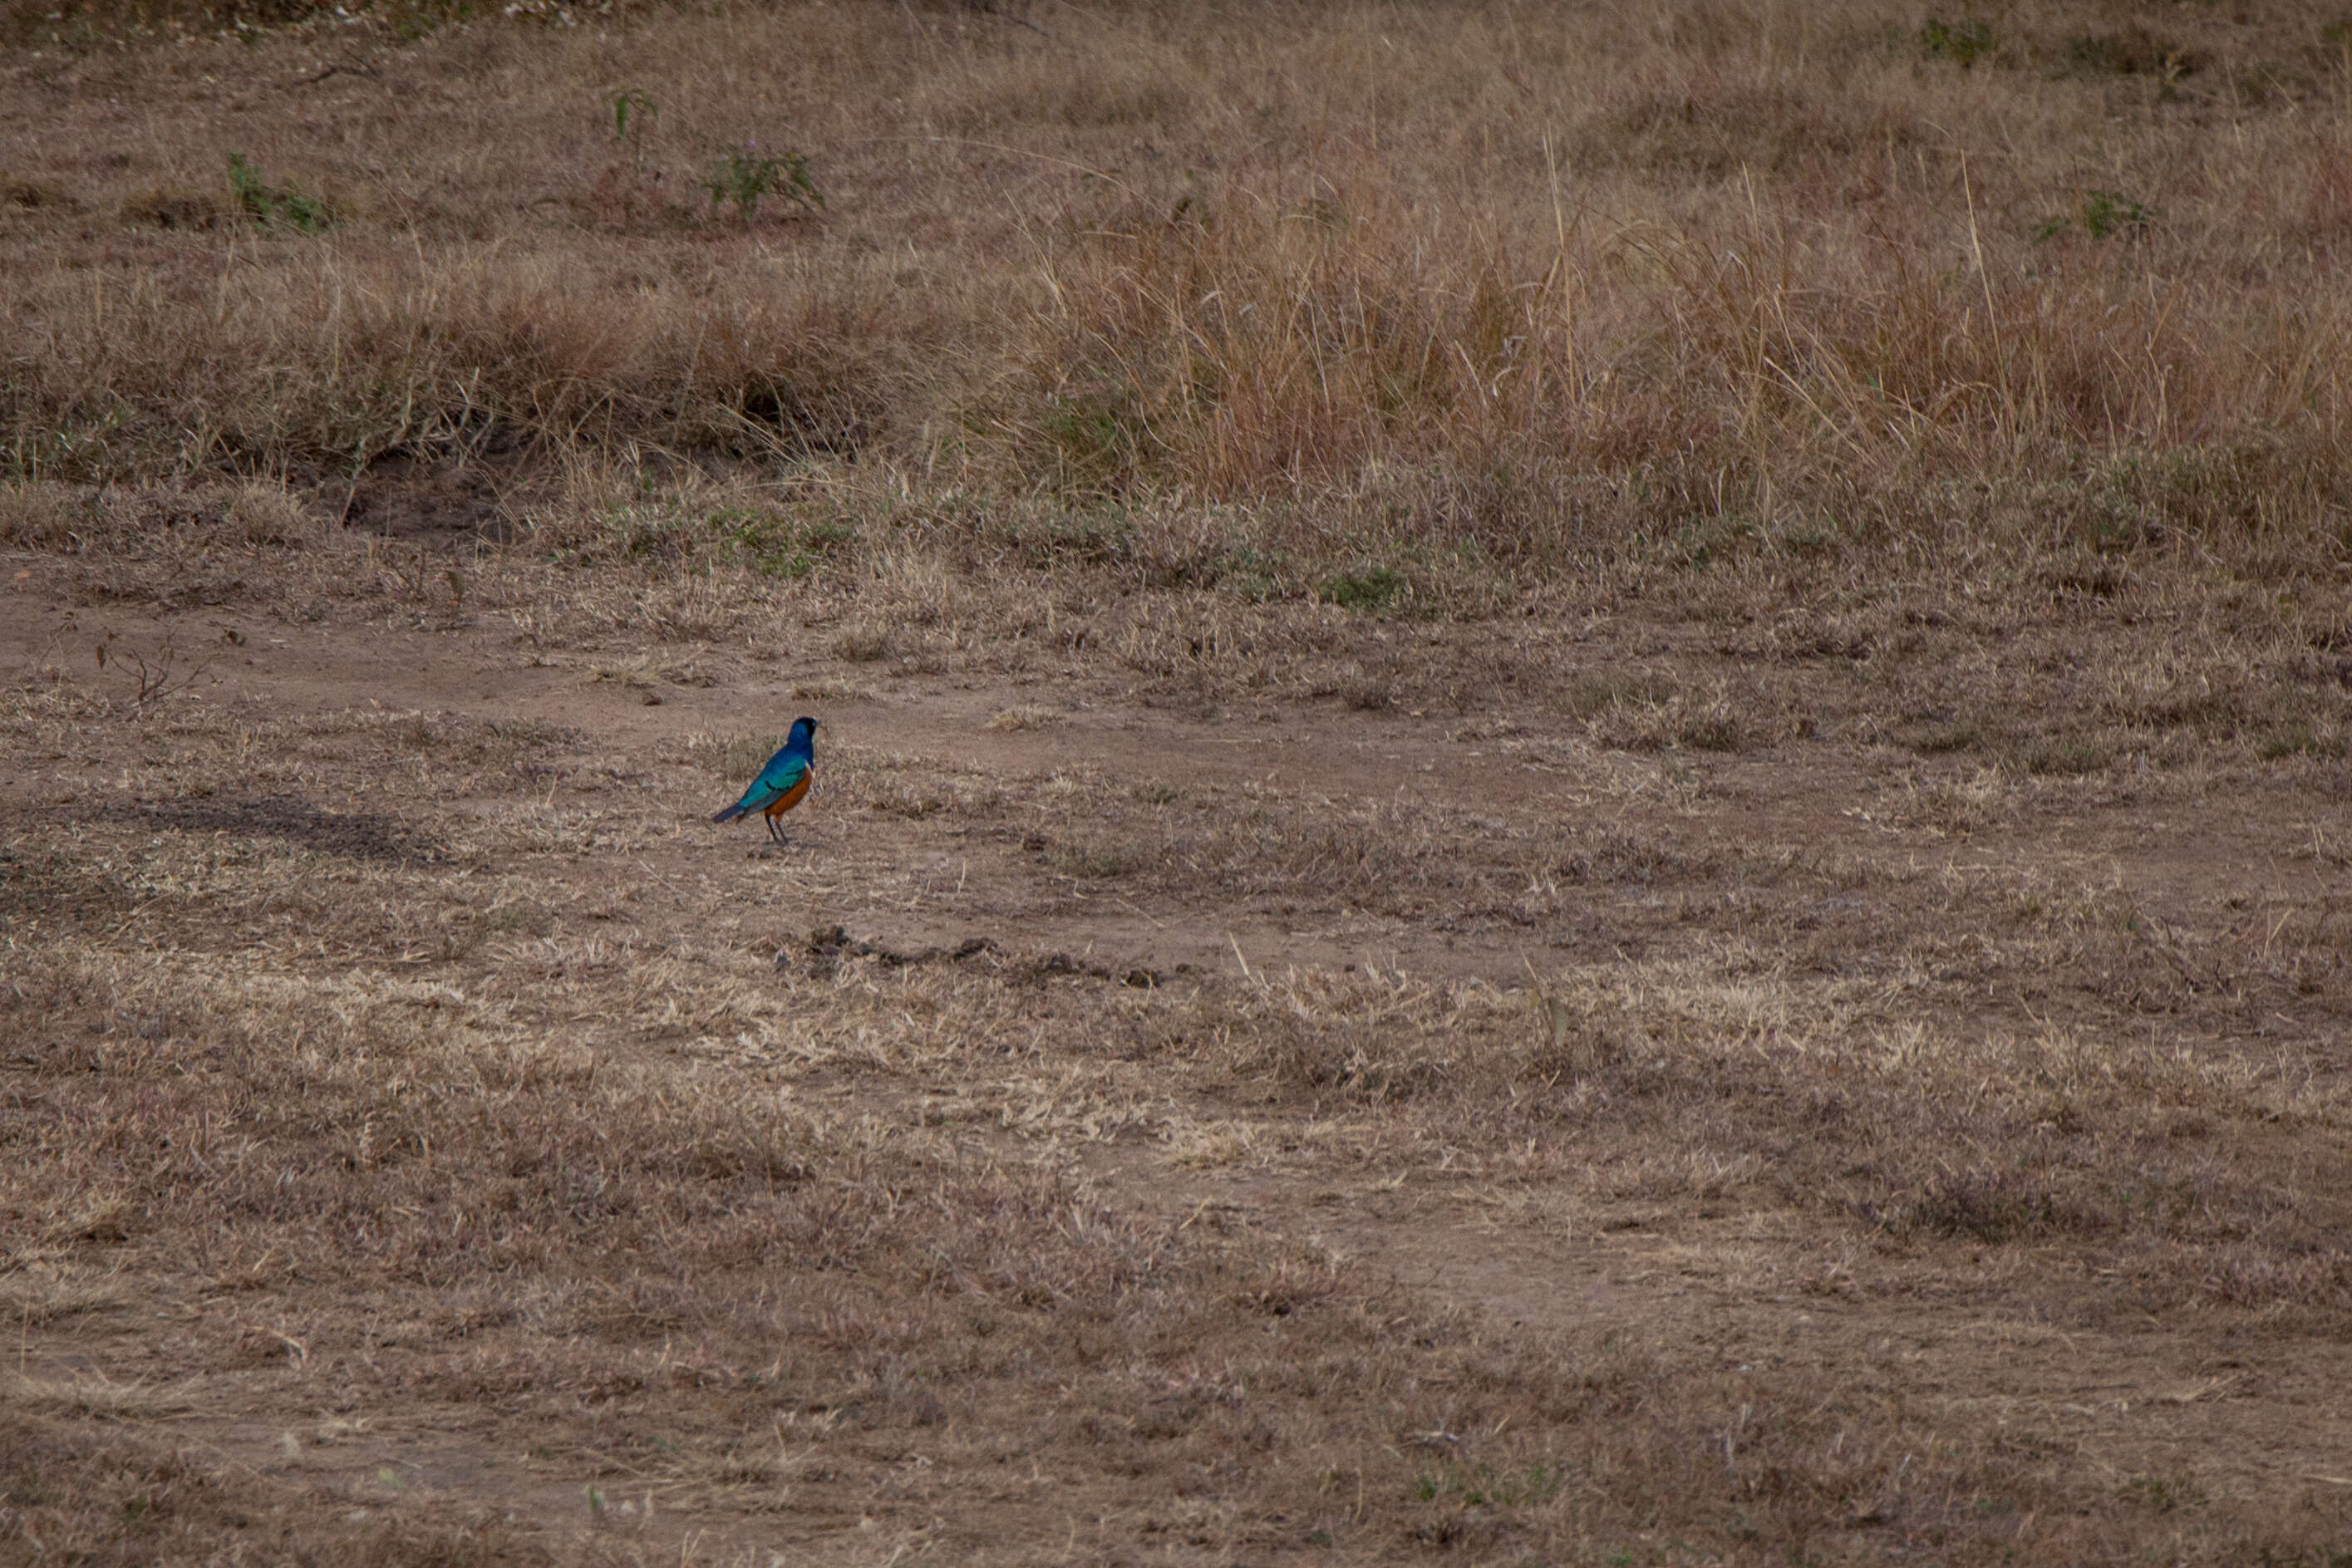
1373 587
1256 576
633 105
777 547
1485 1486
2106 213
279 206
2103 212
746 178
1963 43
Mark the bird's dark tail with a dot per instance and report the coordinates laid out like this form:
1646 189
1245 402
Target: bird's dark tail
729 814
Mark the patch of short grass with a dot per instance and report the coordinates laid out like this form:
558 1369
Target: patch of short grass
1023 717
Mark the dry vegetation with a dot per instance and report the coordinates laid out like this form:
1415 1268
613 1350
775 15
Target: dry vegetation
1397 284
1584 796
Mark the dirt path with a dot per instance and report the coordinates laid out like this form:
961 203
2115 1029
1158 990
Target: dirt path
1814 795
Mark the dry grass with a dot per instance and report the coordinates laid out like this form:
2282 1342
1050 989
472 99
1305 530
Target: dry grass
1690 920
1024 716
395 1114
1732 283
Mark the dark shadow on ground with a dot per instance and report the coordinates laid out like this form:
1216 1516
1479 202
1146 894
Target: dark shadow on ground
362 836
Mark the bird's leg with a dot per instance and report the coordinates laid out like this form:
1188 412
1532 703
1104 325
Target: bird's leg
776 830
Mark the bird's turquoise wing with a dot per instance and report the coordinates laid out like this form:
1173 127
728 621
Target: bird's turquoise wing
777 779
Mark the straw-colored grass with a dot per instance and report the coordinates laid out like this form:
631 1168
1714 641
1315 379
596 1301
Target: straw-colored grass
1713 277
387 1106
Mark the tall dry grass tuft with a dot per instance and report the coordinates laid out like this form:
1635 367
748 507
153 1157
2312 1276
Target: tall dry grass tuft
1798 374
350 350
1710 274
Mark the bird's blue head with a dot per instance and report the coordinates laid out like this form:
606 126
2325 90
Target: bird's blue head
803 732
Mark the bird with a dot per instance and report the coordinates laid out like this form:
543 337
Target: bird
782 783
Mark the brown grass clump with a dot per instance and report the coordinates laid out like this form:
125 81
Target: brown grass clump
1024 716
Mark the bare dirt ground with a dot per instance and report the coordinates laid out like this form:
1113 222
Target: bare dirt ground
1573 1085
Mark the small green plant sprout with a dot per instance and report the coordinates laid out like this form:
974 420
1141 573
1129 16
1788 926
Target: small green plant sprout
631 104
2106 213
276 206
1373 587
1963 43
1485 1486
745 176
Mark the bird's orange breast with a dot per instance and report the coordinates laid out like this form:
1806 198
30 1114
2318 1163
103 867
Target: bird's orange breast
790 798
